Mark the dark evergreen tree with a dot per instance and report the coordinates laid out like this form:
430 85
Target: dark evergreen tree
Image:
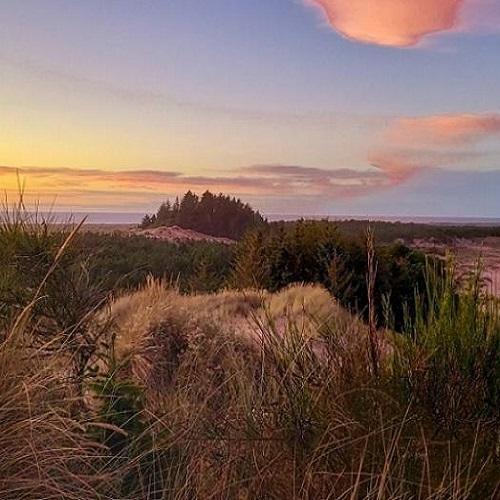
188 211
147 221
164 216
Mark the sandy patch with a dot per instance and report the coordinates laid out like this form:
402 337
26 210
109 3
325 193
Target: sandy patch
467 252
178 234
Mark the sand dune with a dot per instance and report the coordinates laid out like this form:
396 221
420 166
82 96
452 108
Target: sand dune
178 234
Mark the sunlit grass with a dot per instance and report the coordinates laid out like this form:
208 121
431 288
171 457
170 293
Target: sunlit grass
237 394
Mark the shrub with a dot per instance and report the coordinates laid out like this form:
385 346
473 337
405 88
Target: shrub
451 367
120 262
43 271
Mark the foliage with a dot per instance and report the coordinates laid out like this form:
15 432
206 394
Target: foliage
216 215
317 252
42 271
121 409
452 365
121 262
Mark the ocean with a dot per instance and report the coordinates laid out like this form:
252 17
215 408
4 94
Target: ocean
135 218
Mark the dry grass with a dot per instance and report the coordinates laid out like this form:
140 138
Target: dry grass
225 414
44 452
146 321
253 395
249 395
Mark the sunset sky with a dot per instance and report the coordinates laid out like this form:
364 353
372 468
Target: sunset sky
361 107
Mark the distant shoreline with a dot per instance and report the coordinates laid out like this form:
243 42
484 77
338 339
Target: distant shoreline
114 218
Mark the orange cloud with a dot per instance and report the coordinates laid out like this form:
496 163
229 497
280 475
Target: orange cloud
444 129
395 23
412 144
120 186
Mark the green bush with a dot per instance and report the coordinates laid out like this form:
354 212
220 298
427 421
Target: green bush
451 367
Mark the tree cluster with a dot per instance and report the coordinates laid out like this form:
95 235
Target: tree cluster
317 252
217 215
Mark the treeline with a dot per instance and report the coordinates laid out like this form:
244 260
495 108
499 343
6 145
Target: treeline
389 232
96 265
216 215
269 257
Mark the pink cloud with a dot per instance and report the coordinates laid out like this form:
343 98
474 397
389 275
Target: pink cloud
444 129
396 23
397 166
412 144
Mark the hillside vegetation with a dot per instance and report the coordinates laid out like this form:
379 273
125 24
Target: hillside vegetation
156 389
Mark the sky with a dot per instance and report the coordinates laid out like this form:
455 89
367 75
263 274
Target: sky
307 107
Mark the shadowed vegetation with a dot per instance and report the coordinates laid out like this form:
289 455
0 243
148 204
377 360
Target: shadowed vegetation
275 256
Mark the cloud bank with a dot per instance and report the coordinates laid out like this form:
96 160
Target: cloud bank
409 149
258 180
405 23
433 193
